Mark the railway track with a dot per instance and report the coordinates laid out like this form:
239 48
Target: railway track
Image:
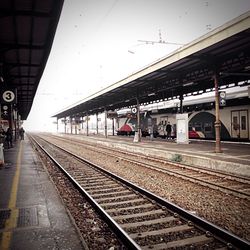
139 218
227 183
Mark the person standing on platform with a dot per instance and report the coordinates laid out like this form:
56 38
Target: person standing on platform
168 130
2 135
9 137
21 133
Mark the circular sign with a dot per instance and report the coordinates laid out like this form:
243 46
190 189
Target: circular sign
8 96
222 94
5 107
134 110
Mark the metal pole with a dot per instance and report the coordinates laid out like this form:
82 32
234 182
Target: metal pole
11 117
217 123
113 126
65 124
71 126
15 123
97 123
138 120
76 125
137 137
181 104
87 125
105 123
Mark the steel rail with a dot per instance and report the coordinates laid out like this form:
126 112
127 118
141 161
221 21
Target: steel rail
184 176
127 241
161 160
218 232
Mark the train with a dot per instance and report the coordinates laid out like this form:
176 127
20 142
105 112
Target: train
234 117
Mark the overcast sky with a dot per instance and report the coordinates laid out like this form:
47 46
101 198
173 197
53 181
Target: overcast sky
96 44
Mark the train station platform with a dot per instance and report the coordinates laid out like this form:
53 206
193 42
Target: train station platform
235 156
32 215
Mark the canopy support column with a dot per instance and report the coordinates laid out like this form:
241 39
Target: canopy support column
71 126
113 126
181 103
105 123
76 125
87 123
65 124
217 123
97 123
137 137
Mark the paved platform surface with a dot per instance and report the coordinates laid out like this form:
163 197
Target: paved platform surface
234 159
32 215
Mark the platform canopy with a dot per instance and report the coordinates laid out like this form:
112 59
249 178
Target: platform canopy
187 71
27 30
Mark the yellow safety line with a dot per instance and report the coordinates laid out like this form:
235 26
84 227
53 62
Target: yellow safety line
12 221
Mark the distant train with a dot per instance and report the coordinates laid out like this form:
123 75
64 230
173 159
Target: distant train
234 117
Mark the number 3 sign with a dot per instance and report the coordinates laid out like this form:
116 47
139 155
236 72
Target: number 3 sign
8 96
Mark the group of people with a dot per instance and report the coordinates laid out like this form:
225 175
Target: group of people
164 130
7 136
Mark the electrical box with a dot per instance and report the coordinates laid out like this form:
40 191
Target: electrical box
182 135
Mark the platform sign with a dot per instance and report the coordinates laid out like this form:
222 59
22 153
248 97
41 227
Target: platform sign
182 128
222 97
134 110
8 96
5 111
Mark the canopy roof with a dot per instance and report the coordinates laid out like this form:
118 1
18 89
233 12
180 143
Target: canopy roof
27 32
188 70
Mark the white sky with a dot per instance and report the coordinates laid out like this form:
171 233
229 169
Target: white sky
90 49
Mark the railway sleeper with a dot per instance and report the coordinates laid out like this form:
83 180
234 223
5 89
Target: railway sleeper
102 187
103 181
139 215
106 191
111 194
118 197
122 203
191 242
132 208
148 222
160 232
